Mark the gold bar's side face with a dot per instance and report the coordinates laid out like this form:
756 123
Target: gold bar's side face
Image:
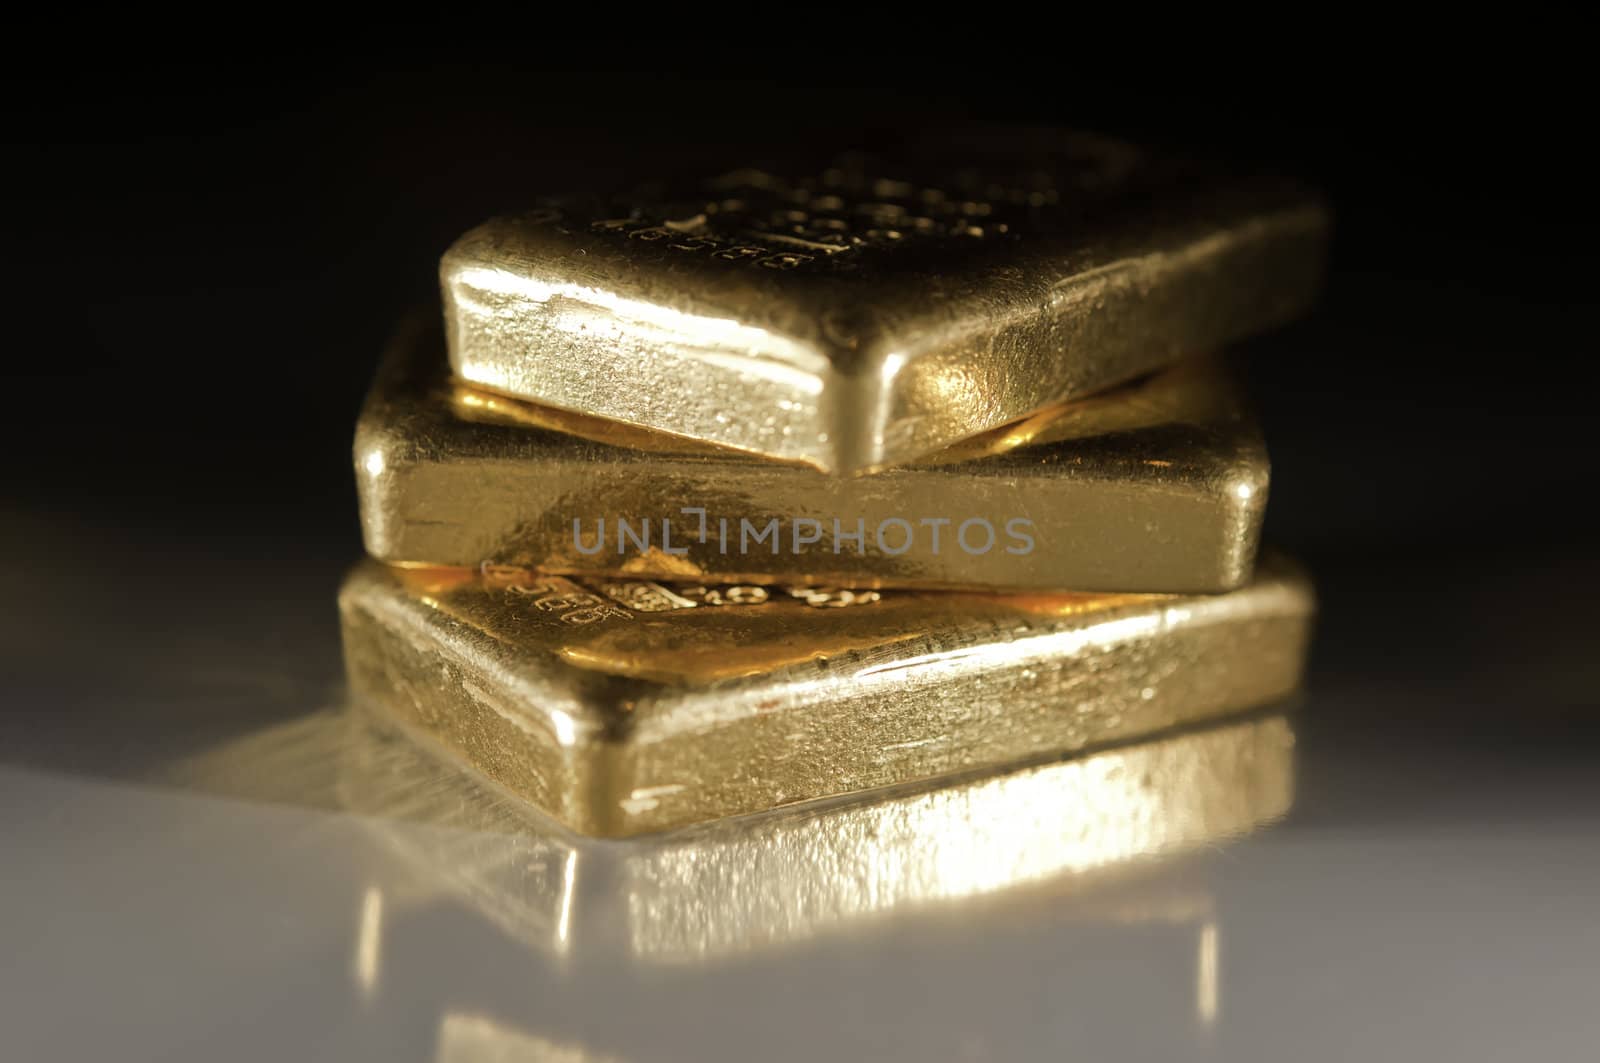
1158 486
513 865
963 698
879 309
624 708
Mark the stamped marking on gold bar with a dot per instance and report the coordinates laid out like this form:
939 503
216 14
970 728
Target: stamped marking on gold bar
747 213
646 597
580 603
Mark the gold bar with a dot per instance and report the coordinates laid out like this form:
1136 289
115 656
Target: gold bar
1158 486
872 310
1075 828
628 707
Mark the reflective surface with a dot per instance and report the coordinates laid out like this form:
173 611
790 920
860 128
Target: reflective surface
867 310
1157 486
185 878
626 707
1092 826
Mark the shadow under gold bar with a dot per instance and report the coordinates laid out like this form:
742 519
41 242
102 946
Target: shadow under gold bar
1157 486
623 708
871 309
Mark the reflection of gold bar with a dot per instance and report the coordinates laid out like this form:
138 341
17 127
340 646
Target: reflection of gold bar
1157 486
624 708
728 891
465 1037
1077 827
849 321
514 868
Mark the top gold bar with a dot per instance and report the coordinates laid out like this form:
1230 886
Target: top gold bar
879 307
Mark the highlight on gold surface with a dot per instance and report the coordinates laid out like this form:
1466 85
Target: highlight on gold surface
1160 485
1206 990
864 311
1101 829
369 942
468 1037
631 708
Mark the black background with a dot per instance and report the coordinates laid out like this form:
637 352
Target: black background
204 262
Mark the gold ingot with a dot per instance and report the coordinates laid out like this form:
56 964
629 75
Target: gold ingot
626 707
1157 486
881 308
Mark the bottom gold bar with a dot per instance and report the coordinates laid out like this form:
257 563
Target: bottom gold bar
625 707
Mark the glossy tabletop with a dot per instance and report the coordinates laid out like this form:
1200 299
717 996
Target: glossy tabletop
204 859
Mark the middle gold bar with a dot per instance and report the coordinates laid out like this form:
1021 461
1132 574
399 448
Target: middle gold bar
1158 486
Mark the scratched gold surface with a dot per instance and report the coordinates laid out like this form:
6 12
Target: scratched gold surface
1159 485
870 309
630 707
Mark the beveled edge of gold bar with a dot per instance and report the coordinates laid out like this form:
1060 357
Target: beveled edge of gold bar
621 755
851 371
1157 485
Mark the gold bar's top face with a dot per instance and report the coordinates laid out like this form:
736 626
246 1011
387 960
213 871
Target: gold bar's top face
1159 485
629 706
871 309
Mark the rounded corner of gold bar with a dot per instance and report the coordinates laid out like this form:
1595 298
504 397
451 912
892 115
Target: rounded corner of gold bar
471 249
1236 568
357 580
348 594
1242 488
381 442
381 457
1287 578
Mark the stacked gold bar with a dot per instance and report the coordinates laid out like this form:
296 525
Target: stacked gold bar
774 488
